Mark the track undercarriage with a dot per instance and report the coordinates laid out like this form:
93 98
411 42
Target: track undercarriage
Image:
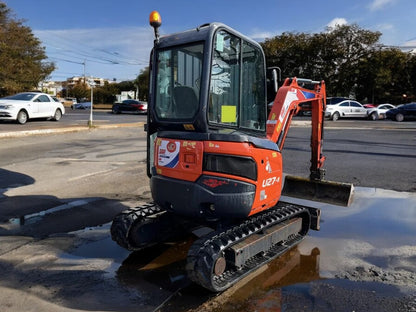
226 254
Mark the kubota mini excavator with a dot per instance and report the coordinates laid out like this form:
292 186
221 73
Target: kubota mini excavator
214 158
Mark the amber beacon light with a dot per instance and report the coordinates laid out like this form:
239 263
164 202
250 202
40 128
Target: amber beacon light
155 21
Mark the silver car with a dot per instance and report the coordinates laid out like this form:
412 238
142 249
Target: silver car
345 109
379 112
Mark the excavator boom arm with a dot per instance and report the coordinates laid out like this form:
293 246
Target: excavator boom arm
287 104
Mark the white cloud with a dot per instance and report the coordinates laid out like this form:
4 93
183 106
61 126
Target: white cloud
260 35
412 45
338 21
385 27
380 4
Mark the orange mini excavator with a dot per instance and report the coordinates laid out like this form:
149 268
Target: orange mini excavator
214 158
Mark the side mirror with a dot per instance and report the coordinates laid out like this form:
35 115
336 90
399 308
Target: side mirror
276 78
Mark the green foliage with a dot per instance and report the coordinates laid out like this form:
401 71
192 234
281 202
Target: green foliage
349 59
79 91
142 82
22 57
125 86
106 93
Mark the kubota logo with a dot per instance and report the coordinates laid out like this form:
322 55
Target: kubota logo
213 183
171 147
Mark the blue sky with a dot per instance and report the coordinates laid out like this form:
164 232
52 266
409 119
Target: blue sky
114 38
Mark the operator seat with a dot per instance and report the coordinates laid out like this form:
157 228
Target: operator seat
186 101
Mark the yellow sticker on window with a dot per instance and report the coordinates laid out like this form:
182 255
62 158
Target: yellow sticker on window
228 113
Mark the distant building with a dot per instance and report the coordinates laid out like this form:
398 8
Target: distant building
51 87
126 95
55 87
81 79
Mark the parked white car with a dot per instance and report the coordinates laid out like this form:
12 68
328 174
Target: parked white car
345 109
27 105
379 112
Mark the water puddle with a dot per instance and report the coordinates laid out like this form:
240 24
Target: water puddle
366 252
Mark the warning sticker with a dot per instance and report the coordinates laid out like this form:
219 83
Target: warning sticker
168 153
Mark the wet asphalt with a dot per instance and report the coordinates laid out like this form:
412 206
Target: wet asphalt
362 259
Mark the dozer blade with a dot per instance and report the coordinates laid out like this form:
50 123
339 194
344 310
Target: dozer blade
336 193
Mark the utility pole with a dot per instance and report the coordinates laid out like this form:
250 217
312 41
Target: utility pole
91 82
84 63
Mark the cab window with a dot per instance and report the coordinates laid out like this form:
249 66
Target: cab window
237 84
178 78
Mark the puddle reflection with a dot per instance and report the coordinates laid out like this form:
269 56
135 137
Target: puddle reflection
161 265
164 268
263 292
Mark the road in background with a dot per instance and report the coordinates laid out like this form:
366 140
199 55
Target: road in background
73 119
373 154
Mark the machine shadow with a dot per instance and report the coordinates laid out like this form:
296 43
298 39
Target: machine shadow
39 237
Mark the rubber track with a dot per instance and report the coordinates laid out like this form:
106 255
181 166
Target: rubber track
122 223
204 252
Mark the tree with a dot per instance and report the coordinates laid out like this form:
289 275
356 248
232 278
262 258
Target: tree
142 82
338 56
289 51
79 91
22 57
386 76
106 93
353 46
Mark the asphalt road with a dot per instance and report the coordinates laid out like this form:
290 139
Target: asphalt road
378 154
73 119
60 191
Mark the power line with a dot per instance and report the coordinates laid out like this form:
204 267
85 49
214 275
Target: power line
59 43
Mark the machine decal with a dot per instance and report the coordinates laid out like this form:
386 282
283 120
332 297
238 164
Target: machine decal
308 95
213 183
168 153
268 167
270 181
290 97
210 144
191 144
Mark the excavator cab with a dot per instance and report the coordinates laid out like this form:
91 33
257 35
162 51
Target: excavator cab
207 80
208 148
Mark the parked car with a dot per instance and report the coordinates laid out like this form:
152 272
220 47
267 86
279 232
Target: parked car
28 105
130 106
402 112
83 105
379 112
345 109
335 100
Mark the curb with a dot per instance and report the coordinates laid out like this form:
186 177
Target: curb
16 134
294 123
